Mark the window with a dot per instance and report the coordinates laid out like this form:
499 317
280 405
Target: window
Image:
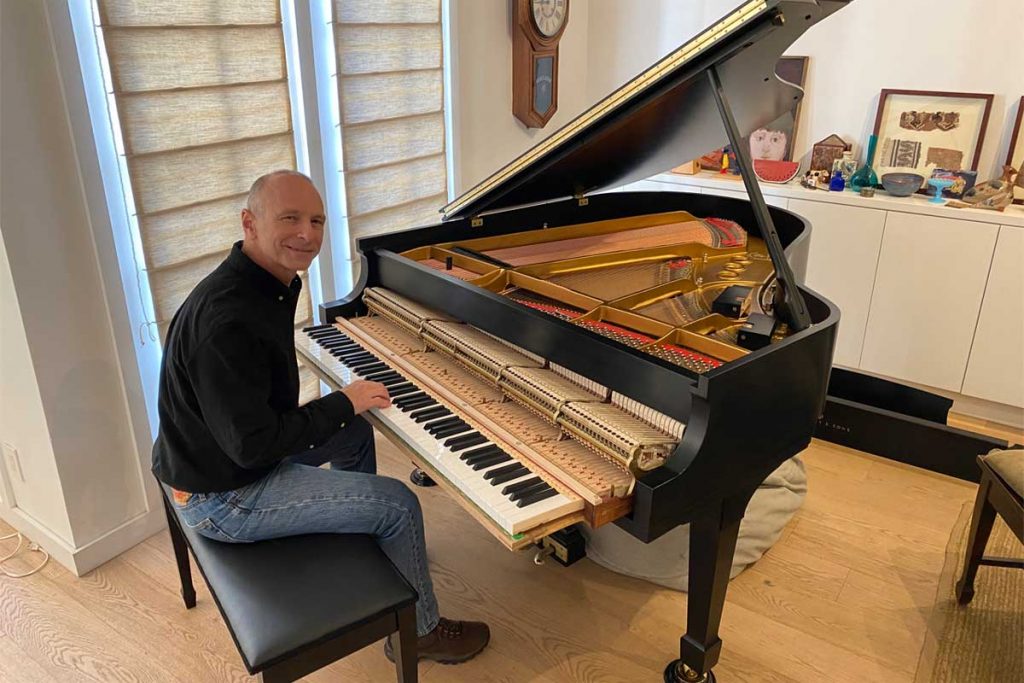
202 96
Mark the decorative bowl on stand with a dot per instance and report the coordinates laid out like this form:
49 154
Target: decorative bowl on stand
939 184
902 184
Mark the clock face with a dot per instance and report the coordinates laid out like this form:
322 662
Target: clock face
548 15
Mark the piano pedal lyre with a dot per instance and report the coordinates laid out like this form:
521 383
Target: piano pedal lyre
566 546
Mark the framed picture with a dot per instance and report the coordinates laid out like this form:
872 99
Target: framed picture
920 130
824 152
775 141
1015 155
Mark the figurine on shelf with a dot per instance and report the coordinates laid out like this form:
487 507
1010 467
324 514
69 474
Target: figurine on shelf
846 165
995 194
810 180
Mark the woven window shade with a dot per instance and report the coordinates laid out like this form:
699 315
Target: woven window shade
201 88
390 90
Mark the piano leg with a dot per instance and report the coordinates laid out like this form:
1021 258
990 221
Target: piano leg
712 543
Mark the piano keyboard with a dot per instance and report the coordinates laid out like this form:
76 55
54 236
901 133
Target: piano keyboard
509 492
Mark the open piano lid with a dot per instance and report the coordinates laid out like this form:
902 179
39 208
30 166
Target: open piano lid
664 116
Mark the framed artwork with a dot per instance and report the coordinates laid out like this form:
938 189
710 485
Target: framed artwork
775 141
824 152
919 130
1015 155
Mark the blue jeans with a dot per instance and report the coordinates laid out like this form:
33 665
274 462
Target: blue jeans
299 497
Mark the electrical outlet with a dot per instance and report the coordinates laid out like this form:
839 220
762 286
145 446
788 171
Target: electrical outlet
13 461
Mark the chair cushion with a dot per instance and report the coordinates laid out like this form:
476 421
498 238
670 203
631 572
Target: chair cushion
282 594
1009 465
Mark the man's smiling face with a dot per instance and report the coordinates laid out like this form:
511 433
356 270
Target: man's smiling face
284 228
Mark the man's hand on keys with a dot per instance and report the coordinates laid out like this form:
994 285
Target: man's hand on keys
365 395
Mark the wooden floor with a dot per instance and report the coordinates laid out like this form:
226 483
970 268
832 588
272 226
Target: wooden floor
844 596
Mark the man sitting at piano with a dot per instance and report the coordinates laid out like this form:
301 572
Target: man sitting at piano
239 451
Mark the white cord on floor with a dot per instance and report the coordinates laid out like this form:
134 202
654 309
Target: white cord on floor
32 547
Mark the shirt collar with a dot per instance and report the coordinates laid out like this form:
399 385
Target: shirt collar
260 278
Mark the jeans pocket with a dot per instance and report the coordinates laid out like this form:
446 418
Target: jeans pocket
208 528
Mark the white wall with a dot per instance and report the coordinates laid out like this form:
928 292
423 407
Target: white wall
863 48
487 135
36 489
68 327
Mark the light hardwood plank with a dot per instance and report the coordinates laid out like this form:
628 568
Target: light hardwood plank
843 596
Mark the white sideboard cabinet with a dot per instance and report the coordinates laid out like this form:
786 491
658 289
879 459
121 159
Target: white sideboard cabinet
995 370
927 295
845 242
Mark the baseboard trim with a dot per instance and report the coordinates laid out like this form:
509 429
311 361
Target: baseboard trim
53 544
117 541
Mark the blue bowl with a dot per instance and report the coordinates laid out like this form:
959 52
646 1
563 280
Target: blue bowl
902 184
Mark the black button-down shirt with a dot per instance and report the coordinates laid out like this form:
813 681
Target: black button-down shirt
229 385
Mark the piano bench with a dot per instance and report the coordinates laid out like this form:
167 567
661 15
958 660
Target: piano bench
294 605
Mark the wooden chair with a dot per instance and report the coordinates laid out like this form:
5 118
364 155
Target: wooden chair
1001 491
294 605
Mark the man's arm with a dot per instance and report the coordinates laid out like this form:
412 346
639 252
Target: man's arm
231 377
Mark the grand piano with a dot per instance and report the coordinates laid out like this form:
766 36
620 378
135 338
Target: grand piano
561 356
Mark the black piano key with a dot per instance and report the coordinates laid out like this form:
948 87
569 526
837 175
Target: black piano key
484 463
406 397
451 431
347 351
519 485
344 347
425 414
522 493
519 471
382 375
418 403
338 350
486 450
536 497
418 393
444 422
487 455
357 359
504 469
461 443
401 388
318 328
394 382
364 369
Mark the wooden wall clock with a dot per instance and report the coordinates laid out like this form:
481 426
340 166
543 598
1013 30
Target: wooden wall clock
539 25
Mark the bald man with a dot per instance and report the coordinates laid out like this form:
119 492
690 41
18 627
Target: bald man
240 453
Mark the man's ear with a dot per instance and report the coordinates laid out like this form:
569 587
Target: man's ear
249 224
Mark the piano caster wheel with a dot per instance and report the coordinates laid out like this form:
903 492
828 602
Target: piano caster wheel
421 478
677 672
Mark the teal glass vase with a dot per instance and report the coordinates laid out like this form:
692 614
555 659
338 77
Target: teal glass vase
865 176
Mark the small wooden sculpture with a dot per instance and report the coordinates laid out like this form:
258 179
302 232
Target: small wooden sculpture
996 194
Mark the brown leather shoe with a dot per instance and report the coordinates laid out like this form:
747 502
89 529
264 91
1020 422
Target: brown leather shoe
451 642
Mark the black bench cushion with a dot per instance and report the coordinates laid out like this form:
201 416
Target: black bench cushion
280 595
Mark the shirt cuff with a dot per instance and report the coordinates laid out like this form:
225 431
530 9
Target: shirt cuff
338 408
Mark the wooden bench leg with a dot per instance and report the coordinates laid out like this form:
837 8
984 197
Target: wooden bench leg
981 527
405 645
188 592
